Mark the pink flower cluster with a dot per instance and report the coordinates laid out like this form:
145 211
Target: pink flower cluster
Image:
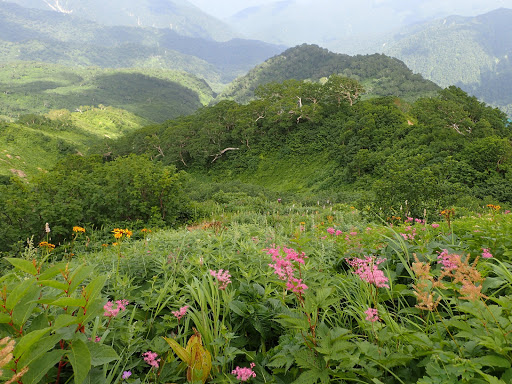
372 315
150 358
244 374
368 271
448 261
411 235
486 254
110 311
333 231
435 225
223 277
285 269
180 312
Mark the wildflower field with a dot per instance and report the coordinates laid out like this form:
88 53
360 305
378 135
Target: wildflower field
292 294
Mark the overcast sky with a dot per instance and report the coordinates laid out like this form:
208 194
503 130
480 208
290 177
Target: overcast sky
226 8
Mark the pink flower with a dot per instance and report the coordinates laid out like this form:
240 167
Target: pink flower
181 312
368 271
285 269
331 231
244 374
486 254
126 374
110 311
353 233
372 315
97 339
223 277
435 225
150 358
338 233
449 261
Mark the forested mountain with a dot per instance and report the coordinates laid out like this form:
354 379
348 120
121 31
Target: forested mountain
156 95
472 53
178 15
36 35
379 74
322 138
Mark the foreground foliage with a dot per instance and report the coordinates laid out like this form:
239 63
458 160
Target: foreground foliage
298 294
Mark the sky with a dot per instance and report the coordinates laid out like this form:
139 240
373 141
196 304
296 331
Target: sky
225 8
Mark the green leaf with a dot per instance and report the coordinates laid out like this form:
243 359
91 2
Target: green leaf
41 366
28 341
23 265
80 359
492 361
79 275
20 290
93 289
101 353
52 271
4 318
23 310
36 351
55 284
69 302
64 320
239 307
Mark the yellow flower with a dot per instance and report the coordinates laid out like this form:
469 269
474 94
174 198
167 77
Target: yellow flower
45 244
77 229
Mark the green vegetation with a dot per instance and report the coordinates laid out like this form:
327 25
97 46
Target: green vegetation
52 37
35 143
299 294
469 52
381 75
155 95
382 153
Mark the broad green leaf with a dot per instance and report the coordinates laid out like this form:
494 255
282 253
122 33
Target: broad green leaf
28 341
69 302
80 359
64 320
79 275
101 353
96 376
4 318
41 366
492 361
239 307
23 310
54 284
93 289
20 290
52 271
41 347
23 265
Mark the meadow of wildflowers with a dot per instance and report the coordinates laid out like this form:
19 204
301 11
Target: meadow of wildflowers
320 295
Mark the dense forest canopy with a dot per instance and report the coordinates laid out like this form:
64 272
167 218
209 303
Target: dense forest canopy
382 154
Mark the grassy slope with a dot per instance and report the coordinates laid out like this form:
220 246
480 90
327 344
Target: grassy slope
31 146
156 95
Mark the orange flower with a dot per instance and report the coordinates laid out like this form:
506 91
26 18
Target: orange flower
45 244
77 229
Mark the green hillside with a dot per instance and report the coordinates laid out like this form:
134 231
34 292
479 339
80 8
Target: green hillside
379 74
472 53
315 138
45 36
35 143
155 95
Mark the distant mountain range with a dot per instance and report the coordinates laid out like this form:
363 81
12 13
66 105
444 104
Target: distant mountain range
473 53
178 15
55 37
